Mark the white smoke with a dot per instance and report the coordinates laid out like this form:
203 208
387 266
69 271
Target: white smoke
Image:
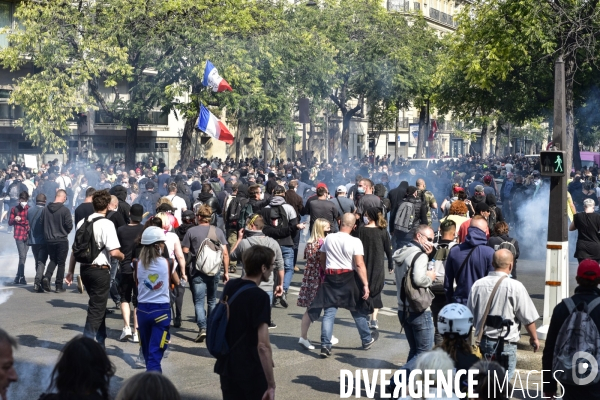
532 229
5 294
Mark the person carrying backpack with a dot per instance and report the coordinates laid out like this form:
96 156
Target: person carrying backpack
506 299
238 210
501 240
148 200
411 213
239 328
581 310
440 254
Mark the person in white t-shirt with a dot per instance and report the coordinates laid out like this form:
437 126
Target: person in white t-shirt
178 203
153 276
96 276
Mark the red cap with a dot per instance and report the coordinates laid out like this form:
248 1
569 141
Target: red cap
487 179
321 185
588 269
458 189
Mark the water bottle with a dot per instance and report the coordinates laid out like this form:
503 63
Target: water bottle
183 283
431 265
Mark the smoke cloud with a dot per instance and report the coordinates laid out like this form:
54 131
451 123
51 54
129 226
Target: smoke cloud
532 231
5 294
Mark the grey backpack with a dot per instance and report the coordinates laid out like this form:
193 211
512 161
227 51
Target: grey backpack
578 333
405 217
417 298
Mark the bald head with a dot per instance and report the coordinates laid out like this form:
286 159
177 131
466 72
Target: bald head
479 222
348 222
503 260
420 184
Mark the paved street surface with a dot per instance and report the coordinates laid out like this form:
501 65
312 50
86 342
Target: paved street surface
43 323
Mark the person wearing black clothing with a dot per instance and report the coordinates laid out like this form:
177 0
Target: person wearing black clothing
50 187
37 241
57 222
206 197
188 221
117 219
121 193
442 248
588 279
254 198
500 235
86 208
128 238
321 207
400 238
294 200
247 372
396 196
587 225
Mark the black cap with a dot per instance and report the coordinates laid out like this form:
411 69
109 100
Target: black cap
188 214
149 184
136 213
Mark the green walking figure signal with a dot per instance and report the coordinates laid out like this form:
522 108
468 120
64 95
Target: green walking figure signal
558 163
552 163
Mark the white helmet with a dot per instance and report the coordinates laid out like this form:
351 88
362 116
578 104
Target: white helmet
455 318
153 234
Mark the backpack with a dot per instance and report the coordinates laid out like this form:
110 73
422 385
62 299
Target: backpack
85 249
209 257
578 333
492 218
238 211
216 187
507 188
417 298
405 217
216 343
510 245
147 203
13 191
278 216
81 196
439 259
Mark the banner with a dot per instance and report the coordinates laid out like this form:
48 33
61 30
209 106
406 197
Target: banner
413 134
31 161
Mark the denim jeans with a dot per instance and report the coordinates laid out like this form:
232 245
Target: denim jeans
288 266
97 285
489 346
400 239
204 287
419 331
114 280
327 326
40 255
22 248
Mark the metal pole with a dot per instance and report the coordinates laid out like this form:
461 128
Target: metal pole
304 144
265 145
557 249
326 136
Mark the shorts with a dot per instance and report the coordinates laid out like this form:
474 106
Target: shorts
128 289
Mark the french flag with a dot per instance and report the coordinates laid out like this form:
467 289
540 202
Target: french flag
213 80
210 125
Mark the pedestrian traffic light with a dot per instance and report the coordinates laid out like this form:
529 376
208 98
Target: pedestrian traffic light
552 163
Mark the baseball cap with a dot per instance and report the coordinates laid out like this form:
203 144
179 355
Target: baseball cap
458 189
588 269
479 188
487 179
187 214
136 213
341 189
321 184
165 207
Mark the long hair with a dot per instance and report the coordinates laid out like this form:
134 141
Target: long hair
452 343
375 214
83 368
318 231
167 224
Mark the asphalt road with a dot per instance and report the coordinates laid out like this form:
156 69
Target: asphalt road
43 323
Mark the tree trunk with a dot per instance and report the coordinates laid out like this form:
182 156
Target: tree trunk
396 144
186 143
572 148
311 140
422 132
485 140
131 142
346 117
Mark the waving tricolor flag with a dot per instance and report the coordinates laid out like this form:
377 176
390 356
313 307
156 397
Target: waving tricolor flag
213 80
212 126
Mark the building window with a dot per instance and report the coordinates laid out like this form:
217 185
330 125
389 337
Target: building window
26 146
6 21
143 146
4 146
416 6
119 145
73 144
161 145
100 145
395 5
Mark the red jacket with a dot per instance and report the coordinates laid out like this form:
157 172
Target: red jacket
22 226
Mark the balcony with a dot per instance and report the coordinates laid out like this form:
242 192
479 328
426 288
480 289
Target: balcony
152 118
7 20
442 17
9 113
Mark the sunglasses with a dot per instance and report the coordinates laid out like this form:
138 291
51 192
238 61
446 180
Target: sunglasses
430 240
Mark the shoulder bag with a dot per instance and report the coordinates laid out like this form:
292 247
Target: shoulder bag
475 347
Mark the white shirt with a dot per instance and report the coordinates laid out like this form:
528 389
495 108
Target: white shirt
153 282
63 182
179 204
170 243
105 235
340 249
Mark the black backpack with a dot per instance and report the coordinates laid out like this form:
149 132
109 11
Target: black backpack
85 249
238 211
147 203
278 216
492 218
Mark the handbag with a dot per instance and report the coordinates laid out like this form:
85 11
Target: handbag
475 346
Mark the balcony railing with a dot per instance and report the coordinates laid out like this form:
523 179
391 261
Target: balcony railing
441 17
152 118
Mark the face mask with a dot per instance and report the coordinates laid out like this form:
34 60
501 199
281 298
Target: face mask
366 220
262 196
289 175
23 204
360 190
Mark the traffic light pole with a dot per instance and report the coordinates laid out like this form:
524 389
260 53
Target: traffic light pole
557 248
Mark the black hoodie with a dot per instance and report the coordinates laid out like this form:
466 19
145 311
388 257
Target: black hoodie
57 222
121 193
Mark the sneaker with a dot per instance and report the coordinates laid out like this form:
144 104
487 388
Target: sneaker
79 284
117 305
374 338
22 281
139 361
306 344
325 352
126 334
334 340
374 324
46 284
167 352
283 300
177 322
201 336
60 288
275 301
37 288
232 270
272 325
135 338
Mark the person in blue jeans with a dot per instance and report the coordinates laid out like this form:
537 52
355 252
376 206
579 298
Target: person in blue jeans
281 224
204 285
153 276
342 256
417 324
